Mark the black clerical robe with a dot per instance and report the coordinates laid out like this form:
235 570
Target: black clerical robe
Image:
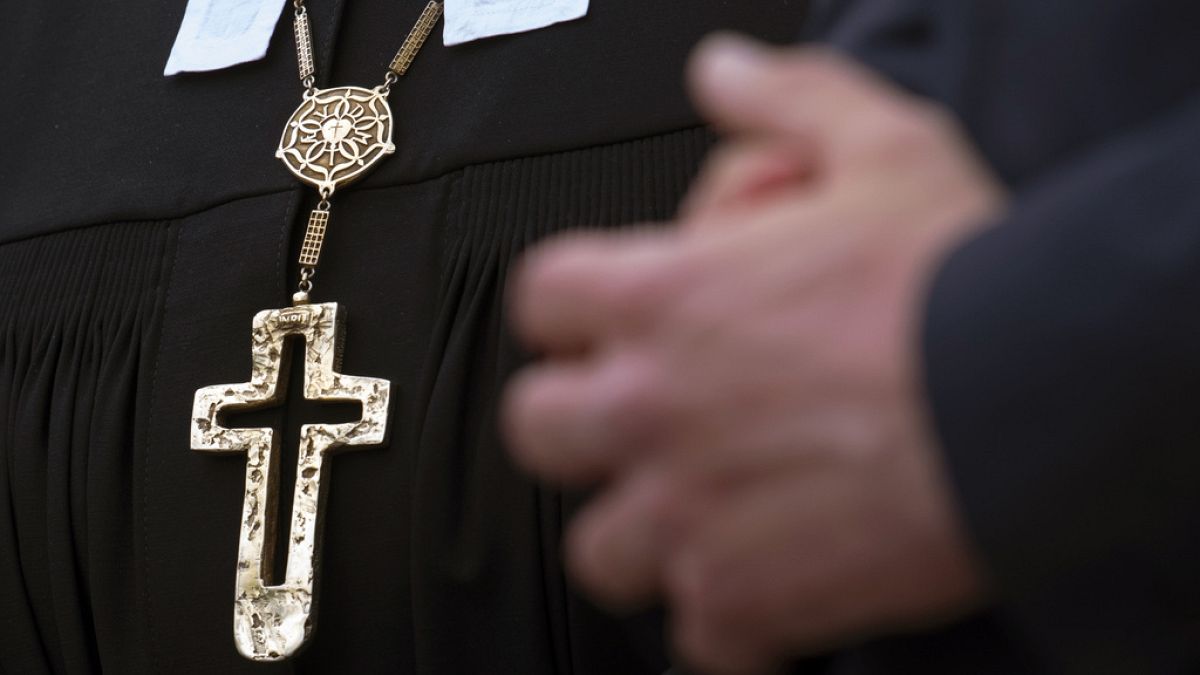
144 221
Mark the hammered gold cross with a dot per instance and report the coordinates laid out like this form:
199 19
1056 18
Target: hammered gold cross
270 622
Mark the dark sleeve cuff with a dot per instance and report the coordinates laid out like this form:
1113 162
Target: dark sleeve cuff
1062 363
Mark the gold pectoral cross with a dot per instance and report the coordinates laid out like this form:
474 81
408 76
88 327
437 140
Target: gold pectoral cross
270 622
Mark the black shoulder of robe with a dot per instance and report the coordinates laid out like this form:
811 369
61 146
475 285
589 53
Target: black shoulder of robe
143 222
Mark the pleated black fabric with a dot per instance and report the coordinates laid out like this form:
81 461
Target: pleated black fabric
77 320
117 543
143 223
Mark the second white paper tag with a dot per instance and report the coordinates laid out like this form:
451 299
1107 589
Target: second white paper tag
468 20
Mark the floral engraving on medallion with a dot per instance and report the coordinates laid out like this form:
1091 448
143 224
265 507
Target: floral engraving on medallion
271 621
336 136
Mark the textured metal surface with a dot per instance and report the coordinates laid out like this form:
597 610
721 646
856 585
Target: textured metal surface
336 136
416 39
304 46
272 621
314 238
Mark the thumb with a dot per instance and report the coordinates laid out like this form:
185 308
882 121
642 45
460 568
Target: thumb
743 175
806 94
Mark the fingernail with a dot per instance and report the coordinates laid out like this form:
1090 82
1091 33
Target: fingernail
728 60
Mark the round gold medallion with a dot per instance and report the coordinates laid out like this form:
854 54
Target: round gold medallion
336 136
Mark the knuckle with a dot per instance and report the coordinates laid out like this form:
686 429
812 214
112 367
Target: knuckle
630 404
711 647
521 410
659 506
544 280
895 137
717 594
567 263
639 296
687 578
540 270
906 130
585 546
695 643
527 412
817 67
713 627
611 549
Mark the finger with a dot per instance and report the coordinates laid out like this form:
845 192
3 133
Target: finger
578 422
720 617
742 174
615 547
743 86
722 620
765 579
770 443
574 292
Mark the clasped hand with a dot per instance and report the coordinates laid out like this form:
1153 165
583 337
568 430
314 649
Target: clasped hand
745 385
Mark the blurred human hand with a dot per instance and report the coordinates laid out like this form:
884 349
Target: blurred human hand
747 386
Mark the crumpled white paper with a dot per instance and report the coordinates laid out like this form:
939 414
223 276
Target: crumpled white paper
217 34
468 20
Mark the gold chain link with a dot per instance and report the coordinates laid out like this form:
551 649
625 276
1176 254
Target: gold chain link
400 63
314 236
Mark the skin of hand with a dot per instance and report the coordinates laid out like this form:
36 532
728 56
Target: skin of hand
746 385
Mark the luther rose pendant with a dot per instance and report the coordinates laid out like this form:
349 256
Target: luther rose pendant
273 620
337 136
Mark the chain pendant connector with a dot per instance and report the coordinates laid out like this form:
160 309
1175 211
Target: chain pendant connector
304 46
314 238
416 39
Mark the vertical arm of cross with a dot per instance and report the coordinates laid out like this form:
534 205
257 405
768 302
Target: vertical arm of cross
322 382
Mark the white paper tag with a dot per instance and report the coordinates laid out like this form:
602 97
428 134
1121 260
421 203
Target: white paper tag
468 20
217 34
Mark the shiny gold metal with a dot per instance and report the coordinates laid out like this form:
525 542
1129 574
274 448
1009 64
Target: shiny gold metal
305 286
416 39
336 136
272 621
314 237
304 45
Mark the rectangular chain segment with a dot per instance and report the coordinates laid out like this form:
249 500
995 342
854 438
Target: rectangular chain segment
314 237
304 46
416 39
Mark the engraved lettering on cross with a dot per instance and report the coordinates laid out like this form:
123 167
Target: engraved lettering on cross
272 621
